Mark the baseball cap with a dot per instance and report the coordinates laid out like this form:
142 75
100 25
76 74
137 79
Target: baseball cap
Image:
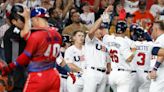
39 12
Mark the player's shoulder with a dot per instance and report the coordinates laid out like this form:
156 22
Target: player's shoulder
108 37
159 39
71 48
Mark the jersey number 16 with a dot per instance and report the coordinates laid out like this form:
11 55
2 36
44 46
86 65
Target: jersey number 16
113 55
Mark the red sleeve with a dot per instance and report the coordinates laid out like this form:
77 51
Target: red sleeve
30 48
59 37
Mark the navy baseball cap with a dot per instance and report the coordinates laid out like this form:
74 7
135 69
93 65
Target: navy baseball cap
39 12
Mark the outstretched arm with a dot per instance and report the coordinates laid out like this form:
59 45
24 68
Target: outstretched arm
103 18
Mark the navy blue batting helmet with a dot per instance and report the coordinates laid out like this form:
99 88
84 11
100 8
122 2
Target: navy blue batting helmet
14 14
121 27
139 33
133 27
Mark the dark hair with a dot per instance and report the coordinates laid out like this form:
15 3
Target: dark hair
115 4
69 21
61 7
14 13
50 11
15 16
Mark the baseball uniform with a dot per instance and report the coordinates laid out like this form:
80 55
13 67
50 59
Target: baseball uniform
120 76
75 56
158 84
96 56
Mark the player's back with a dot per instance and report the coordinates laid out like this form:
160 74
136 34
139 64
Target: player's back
119 51
39 41
143 55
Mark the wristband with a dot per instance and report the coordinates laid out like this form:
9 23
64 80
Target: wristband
157 65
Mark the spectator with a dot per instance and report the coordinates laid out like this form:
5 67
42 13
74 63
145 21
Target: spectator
59 4
4 6
14 44
104 4
76 24
142 16
87 16
56 19
3 29
46 4
129 20
68 19
131 5
117 7
157 10
94 4
32 3
113 25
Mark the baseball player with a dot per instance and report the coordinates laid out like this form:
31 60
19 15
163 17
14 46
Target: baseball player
142 59
157 83
40 54
96 56
120 77
14 43
74 57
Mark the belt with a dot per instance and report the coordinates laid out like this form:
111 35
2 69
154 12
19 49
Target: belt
145 71
98 69
64 76
132 71
40 66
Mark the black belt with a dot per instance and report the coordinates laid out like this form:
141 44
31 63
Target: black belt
147 71
64 76
98 69
133 71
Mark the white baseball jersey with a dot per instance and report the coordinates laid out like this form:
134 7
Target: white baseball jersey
143 55
75 56
96 53
119 51
159 42
155 9
130 42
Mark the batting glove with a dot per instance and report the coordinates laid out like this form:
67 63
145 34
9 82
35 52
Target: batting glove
105 17
72 76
